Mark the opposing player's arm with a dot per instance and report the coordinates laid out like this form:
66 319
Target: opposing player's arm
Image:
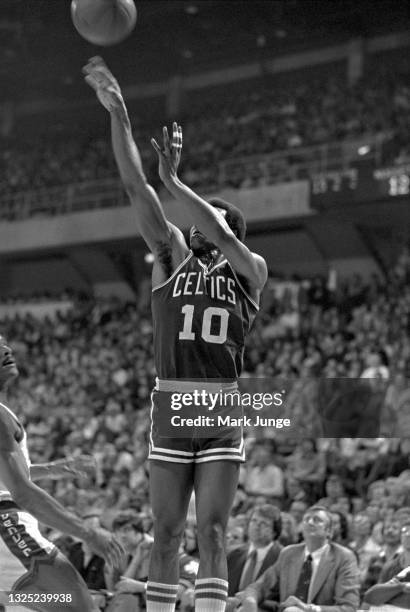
33 499
80 466
159 234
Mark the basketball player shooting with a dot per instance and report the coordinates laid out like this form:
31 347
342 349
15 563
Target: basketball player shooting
205 296
33 572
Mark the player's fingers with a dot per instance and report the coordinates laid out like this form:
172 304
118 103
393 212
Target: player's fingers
105 74
174 134
102 79
97 60
180 135
156 146
90 79
166 140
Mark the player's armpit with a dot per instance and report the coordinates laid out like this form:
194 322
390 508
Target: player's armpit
168 255
14 473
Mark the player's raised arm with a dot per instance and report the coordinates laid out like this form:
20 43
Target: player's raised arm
249 265
154 227
41 505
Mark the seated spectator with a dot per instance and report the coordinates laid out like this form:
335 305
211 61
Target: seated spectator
128 583
235 535
392 595
340 528
363 544
297 511
334 491
289 534
264 477
401 559
317 572
307 467
248 562
391 533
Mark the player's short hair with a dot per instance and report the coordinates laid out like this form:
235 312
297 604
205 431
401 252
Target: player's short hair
234 216
272 513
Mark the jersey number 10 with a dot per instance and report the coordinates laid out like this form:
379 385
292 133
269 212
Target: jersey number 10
211 311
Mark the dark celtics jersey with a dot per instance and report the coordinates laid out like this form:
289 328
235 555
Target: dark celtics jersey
201 318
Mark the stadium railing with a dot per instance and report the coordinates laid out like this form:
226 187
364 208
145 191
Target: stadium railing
281 166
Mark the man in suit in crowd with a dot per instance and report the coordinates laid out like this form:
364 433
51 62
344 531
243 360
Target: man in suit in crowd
314 576
248 562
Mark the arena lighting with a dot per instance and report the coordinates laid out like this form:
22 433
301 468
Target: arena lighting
191 9
149 258
364 150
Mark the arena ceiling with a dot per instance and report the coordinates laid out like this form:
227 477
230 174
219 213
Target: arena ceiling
41 53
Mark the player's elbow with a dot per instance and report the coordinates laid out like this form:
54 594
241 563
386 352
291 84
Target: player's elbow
224 238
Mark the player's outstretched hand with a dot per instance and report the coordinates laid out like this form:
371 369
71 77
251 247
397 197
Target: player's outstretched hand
101 79
170 154
80 466
103 544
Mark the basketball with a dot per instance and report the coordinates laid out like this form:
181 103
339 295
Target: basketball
104 22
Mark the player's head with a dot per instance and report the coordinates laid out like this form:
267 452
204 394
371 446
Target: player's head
234 218
8 367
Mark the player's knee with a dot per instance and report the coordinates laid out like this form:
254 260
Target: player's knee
211 536
167 536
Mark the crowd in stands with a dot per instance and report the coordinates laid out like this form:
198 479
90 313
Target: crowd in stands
84 387
260 118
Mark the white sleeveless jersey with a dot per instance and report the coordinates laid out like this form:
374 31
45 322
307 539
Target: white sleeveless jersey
4 493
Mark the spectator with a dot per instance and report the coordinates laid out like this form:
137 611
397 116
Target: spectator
264 477
302 576
363 544
401 559
248 562
392 595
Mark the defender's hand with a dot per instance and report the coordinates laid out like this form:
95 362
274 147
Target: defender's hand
170 155
106 546
100 78
74 466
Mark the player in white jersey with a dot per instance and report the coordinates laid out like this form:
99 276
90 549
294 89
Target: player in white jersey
34 575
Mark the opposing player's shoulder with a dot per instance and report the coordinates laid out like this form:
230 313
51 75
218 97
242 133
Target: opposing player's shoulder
8 430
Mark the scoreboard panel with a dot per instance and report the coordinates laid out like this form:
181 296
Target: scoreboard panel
358 185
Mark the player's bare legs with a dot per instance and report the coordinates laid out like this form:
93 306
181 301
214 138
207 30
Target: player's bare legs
215 486
171 487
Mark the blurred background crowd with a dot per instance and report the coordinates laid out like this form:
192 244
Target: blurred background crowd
264 115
